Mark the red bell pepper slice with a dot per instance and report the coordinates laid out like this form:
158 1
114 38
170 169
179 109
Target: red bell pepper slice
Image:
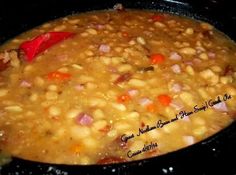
42 42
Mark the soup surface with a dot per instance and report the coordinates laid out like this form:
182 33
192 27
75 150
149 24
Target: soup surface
114 86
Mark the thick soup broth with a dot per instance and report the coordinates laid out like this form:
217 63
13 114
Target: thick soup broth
114 86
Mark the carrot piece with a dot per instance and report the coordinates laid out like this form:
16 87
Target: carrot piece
157 58
125 34
164 99
76 149
123 98
151 107
105 129
157 18
56 75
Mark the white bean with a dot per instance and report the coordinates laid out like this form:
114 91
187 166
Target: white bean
188 51
92 31
3 92
50 95
54 111
119 107
13 108
79 132
137 83
141 40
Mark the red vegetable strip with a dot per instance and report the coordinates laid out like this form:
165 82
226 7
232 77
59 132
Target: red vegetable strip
42 42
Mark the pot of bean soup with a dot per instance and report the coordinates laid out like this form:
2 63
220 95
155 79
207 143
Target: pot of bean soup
102 87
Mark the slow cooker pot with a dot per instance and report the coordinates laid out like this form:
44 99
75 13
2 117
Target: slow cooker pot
214 155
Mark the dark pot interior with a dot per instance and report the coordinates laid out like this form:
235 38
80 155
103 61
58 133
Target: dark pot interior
213 155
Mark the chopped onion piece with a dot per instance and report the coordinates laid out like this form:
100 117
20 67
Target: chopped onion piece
176 69
175 56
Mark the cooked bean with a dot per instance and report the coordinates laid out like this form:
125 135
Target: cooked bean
33 97
98 125
137 83
190 70
226 79
39 81
188 51
97 102
119 107
92 31
14 108
54 111
159 24
79 132
216 69
52 87
50 95
189 31
141 40
72 113
60 28
98 114
210 76
124 68
187 98
203 56
3 92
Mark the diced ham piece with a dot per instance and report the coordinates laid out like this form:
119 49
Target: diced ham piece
84 119
145 101
175 56
132 92
176 88
176 69
26 84
104 48
79 87
221 107
211 54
